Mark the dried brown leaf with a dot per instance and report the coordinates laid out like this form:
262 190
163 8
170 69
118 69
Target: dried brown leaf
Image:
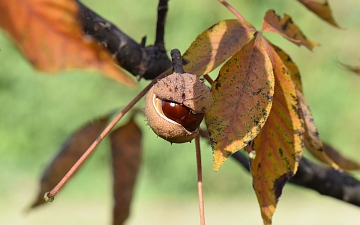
51 37
320 8
126 156
355 69
311 136
69 153
287 28
344 163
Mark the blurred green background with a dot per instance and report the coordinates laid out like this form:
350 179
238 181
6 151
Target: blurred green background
38 113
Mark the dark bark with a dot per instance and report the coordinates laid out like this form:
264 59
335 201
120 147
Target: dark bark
177 61
326 181
160 24
147 62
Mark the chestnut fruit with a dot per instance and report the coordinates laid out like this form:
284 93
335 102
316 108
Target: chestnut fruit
176 105
182 115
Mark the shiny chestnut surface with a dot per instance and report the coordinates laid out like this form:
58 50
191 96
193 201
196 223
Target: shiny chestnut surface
182 115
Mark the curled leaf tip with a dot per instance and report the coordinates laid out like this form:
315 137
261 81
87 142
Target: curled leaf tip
47 198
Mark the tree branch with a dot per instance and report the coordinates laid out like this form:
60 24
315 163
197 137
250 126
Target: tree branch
147 62
160 25
326 181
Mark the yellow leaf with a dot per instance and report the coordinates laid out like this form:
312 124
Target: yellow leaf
287 28
291 67
242 96
215 45
321 9
51 37
278 146
311 136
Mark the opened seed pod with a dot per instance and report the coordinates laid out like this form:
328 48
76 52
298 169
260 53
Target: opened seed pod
176 105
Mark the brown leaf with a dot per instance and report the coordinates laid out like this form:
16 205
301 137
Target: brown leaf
69 153
311 136
355 69
215 45
51 37
242 96
287 28
320 8
344 163
278 146
125 154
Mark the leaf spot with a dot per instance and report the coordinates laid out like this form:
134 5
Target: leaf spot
279 184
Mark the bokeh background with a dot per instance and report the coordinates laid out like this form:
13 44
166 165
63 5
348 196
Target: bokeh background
38 113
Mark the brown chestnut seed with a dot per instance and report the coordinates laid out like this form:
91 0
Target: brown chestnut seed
182 115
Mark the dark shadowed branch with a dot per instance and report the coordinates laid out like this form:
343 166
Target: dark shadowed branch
326 181
147 62
160 25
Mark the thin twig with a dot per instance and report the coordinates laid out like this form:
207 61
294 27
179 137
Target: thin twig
160 24
199 172
208 79
177 61
232 9
49 196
